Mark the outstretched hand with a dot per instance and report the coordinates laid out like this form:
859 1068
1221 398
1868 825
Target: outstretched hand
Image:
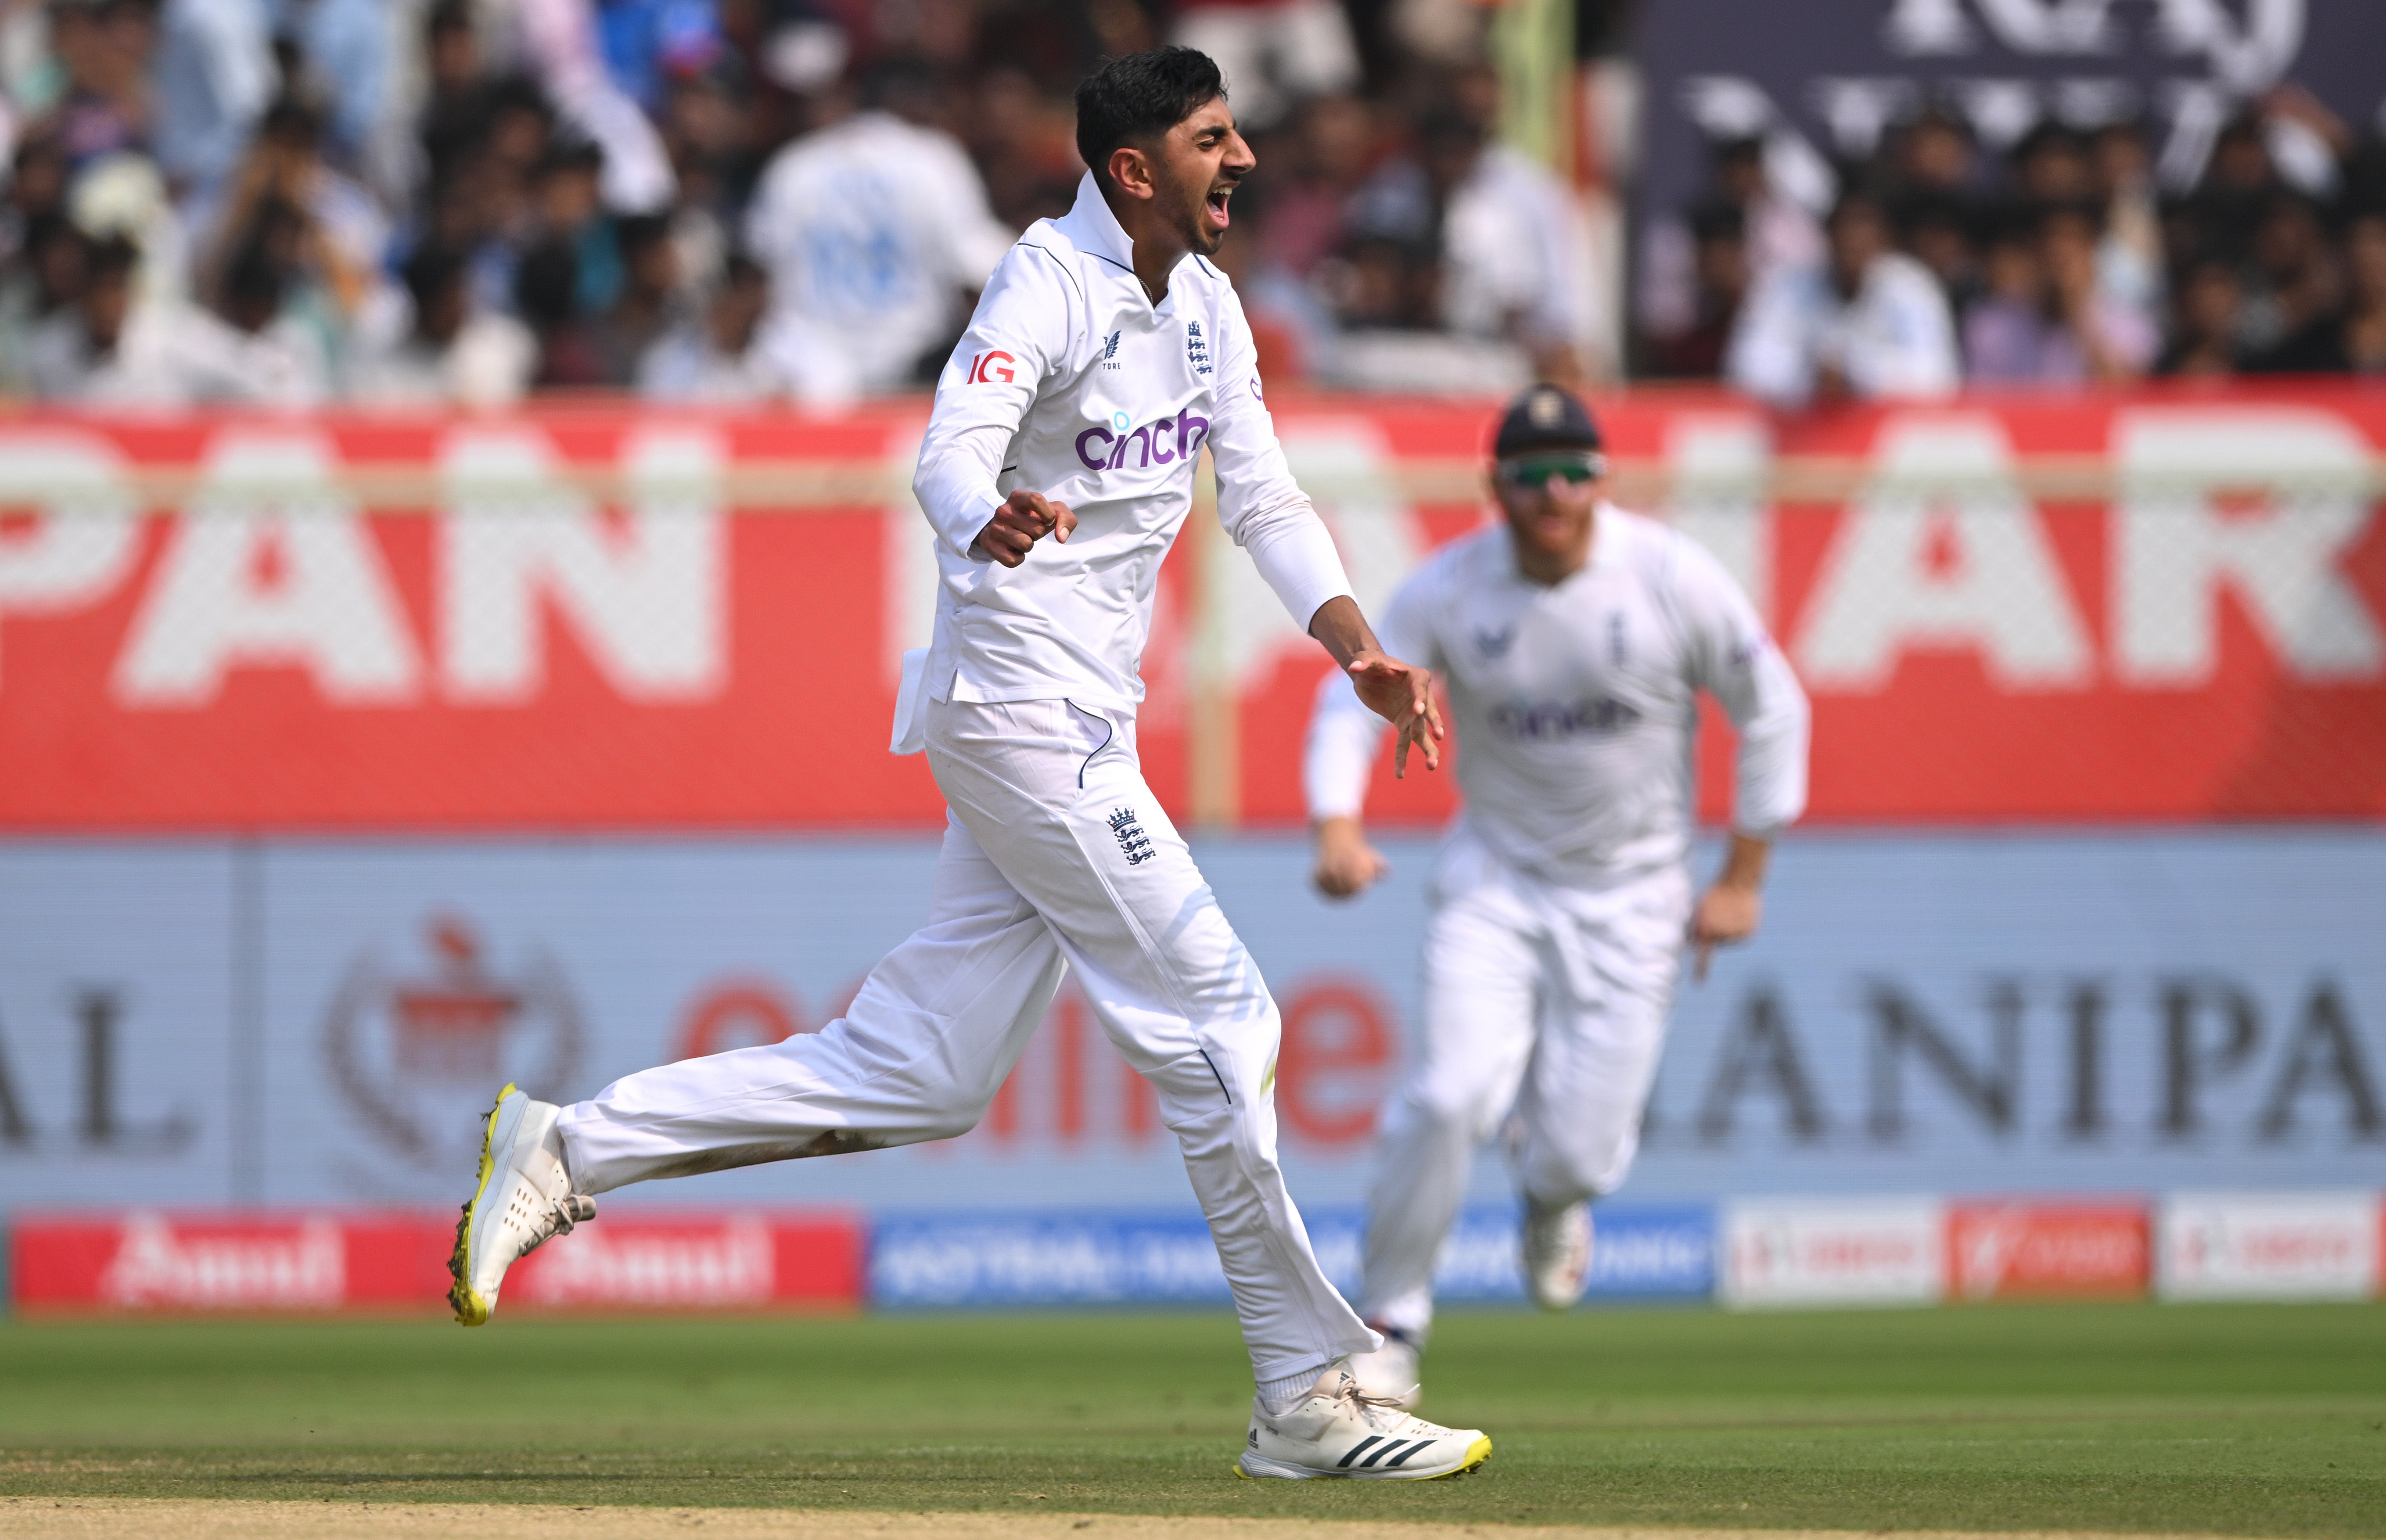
1024 517
1403 694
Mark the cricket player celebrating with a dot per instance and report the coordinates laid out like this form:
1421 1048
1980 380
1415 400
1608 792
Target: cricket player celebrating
1057 467
1574 638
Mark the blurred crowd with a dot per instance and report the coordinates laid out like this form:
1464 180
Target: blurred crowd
2057 262
424 202
411 202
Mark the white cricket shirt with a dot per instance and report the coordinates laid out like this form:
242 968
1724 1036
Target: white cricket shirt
1070 382
1576 706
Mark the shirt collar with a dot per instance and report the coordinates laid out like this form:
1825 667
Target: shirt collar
1092 228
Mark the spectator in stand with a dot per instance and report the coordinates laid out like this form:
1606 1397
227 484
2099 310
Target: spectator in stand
561 43
453 354
74 341
2204 324
571 211
468 112
1272 53
1515 257
105 48
648 44
482 145
1940 233
45 281
2051 166
329 231
214 76
1297 232
2129 261
114 352
646 306
268 356
1697 351
35 190
1871 324
42 255
1780 237
2219 216
876 230
2361 336
715 359
346 62
1026 145
2045 320
709 127
2350 338
1936 157
546 298
2297 285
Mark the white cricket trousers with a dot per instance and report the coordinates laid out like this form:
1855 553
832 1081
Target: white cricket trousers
1544 1010
1056 856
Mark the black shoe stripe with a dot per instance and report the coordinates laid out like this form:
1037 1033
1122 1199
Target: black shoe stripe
1357 1450
1402 1459
1386 1450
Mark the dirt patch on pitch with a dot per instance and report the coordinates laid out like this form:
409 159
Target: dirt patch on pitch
113 1518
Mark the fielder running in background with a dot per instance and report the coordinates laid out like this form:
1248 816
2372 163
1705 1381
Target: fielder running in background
1105 352
1574 638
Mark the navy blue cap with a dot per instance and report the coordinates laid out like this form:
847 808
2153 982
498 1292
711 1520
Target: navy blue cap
1546 417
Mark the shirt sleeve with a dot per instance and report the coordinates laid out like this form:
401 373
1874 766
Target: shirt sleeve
1017 339
1733 660
1338 757
1259 504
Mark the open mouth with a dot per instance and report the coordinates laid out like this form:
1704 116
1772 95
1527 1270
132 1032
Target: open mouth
1218 196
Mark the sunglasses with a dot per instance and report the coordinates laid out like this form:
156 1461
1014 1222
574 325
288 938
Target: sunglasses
1573 469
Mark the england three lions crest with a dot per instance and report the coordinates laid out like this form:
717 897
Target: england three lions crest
418 1047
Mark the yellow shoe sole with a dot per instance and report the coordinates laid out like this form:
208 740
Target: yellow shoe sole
466 1301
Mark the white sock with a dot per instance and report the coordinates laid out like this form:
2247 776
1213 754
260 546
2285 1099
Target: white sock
1279 1397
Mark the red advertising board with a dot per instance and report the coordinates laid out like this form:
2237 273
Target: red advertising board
2005 1251
183 1264
2110 607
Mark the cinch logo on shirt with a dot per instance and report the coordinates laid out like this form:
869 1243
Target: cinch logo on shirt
1542 721
1149 442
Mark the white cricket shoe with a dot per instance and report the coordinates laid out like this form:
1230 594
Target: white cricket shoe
1389 1374
524 1199
1339 1432
1556 1253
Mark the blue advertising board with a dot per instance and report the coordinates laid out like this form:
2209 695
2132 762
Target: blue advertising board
1643 1252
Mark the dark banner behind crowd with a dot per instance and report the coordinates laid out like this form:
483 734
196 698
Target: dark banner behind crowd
1820 82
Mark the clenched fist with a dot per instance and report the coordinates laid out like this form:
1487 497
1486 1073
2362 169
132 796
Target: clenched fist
1023 518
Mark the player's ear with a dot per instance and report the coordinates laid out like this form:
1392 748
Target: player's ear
1130 171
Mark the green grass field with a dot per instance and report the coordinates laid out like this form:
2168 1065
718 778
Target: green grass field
2249 1420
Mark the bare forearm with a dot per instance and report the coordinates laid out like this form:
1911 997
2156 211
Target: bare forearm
1744 866
1342 631
1337 826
